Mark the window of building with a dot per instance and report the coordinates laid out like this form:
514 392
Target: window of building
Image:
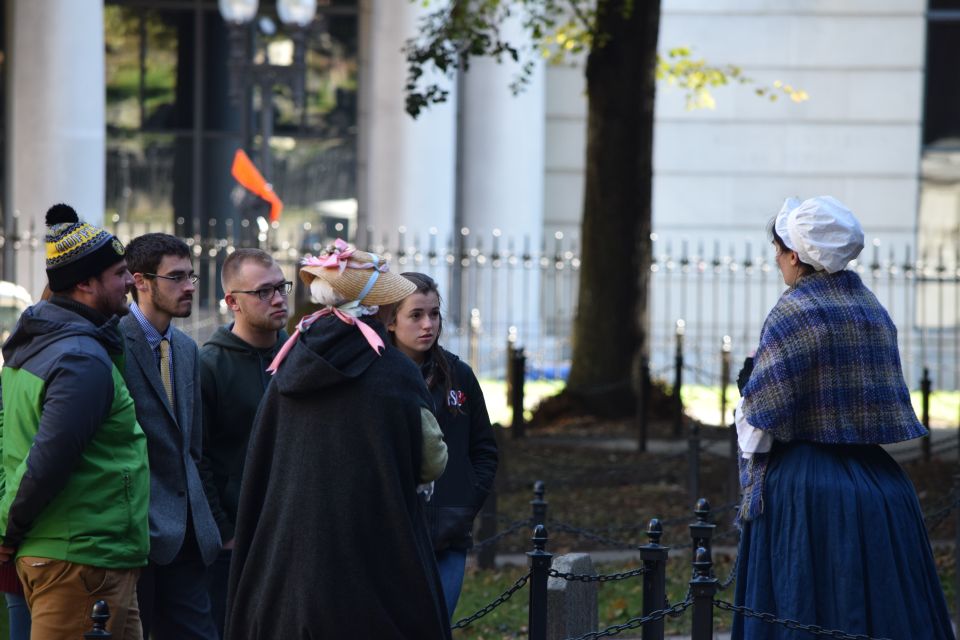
173 125
939 211
936 5
941 117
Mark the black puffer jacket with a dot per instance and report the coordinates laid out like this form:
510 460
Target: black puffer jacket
472 457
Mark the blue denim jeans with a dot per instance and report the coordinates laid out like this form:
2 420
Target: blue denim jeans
451 564
19 616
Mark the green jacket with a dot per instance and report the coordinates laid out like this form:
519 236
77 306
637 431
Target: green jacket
76 481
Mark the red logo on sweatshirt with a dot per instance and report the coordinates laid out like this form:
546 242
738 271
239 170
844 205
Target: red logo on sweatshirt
456 398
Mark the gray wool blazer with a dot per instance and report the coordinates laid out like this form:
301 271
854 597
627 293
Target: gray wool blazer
174 443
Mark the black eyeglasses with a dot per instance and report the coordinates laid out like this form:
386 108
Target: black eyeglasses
178 278
266 293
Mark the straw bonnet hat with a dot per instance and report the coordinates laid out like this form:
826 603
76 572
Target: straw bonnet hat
356 275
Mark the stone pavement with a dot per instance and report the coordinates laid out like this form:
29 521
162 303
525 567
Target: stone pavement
944 443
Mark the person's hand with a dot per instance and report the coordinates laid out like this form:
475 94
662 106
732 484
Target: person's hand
744 374
426 490
228 545
6 554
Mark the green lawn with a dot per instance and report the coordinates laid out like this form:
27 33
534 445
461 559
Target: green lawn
703 403
495 395
618 601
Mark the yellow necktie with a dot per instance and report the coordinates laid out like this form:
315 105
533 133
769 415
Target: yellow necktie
165 370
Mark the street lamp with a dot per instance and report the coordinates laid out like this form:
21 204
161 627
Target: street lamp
246 72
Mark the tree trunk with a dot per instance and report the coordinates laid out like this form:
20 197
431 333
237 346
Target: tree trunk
610 324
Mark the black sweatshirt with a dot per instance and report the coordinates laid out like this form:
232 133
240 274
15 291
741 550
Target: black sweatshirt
471 457
233 378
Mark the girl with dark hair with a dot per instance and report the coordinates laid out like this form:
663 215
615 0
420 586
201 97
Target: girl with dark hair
415 327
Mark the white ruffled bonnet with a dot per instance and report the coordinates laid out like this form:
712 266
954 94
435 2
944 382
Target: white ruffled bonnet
822 230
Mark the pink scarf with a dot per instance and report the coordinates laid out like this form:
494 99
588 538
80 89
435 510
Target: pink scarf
373 339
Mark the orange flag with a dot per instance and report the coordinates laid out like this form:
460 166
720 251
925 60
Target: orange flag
250 178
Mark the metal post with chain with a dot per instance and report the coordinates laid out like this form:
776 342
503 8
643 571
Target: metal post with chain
540 560
654 559
703 588
769 618
538 505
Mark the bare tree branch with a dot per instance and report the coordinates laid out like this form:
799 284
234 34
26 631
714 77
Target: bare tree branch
581 16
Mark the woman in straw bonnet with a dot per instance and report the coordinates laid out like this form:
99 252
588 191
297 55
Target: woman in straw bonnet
330 534
832 532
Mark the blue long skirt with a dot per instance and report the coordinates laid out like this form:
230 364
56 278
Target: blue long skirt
841 543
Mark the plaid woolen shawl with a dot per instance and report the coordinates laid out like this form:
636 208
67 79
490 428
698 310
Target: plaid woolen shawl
827 370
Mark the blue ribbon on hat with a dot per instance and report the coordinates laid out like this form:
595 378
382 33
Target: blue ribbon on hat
373 277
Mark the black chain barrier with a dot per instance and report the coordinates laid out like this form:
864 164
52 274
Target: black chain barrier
720 536
513 524
507 520
583 533
516 526
769 618
506 595
683 520
933 519
586 577
634 623
730 579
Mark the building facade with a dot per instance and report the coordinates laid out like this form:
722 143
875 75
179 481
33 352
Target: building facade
124 108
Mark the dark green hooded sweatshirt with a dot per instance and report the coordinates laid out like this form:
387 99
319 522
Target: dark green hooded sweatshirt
233 378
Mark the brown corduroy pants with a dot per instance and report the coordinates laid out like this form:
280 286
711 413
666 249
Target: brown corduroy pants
61 596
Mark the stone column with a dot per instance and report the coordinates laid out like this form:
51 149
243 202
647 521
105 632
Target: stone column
503 146
502 179
406 166
54 120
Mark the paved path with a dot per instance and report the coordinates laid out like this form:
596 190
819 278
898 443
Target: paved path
944 443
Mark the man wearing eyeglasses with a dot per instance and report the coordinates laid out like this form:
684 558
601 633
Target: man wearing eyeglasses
163 375
233 372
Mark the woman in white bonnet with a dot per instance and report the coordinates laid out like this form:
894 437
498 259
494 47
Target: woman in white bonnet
832 532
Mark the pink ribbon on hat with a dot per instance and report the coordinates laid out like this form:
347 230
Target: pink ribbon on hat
373 338
339 258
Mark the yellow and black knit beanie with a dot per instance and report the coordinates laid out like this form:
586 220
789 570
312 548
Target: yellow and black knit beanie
76 250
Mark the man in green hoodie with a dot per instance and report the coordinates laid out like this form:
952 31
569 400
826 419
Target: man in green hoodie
233 378
75 477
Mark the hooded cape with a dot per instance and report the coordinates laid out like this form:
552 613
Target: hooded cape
330 534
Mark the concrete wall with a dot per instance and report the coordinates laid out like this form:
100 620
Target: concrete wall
55 131
721 174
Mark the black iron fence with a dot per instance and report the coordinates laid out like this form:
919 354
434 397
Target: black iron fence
502 290
940 442
705 587
717 298
702 595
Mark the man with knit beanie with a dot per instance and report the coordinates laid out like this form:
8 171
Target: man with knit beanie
76 482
